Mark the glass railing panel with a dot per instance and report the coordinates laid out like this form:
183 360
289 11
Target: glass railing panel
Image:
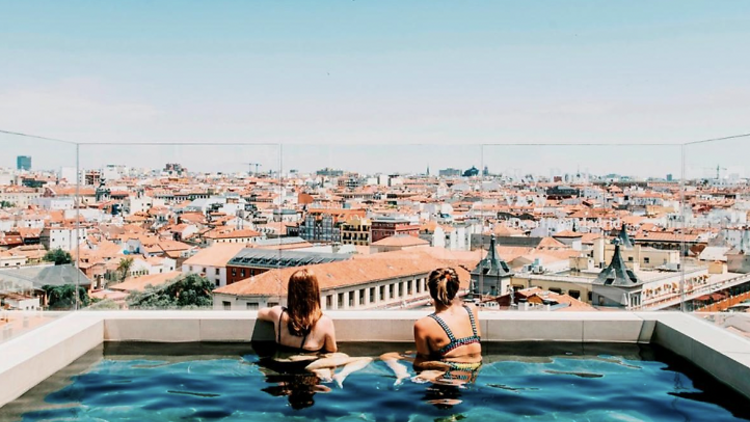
717 205
165 220
586 227
370 222
38 277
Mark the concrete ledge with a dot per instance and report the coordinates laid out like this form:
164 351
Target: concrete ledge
716 351
365 326
30 359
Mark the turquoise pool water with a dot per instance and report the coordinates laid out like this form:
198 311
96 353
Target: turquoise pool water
517 382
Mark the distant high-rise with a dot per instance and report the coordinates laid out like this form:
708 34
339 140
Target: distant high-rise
23 162
669 177
449 172
329 172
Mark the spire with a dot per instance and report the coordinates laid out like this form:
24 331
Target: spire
492 265
617 273
623 237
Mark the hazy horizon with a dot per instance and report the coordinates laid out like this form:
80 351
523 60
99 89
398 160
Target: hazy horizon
598 160
357 74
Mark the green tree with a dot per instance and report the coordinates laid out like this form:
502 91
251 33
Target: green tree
64 296
124 267
190 291
58 256
6 204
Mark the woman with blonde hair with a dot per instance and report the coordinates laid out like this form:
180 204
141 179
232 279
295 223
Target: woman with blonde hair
451 333
449 352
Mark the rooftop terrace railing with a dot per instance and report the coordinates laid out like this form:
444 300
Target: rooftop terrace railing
129 215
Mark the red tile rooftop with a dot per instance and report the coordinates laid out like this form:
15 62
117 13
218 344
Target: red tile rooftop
344 273
139 283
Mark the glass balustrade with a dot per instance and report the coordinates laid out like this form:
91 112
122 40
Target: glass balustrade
222 226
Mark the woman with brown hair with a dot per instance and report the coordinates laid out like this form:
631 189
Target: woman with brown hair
301 325
301 328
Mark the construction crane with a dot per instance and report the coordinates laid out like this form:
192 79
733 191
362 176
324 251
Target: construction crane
256 167
718 169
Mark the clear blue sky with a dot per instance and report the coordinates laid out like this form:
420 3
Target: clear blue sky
375 72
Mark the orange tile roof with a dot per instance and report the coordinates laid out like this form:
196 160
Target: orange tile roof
139 283
568 234
550 243
216 255
344 273
231 234
401 241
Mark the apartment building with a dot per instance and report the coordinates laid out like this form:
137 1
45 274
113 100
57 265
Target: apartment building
387 280
356 231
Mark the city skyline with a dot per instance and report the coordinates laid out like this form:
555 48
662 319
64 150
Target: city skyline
510 159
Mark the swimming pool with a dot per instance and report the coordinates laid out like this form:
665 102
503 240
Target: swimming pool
228 382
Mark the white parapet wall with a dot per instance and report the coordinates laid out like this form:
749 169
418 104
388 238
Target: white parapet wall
378 326
31 358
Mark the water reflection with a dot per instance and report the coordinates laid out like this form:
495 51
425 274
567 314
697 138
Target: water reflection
233 382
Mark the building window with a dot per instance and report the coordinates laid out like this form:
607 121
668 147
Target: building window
630 259
234 272
382 292
341 300
391 289
362 294
217 271
218 283
555 290
227 305
372 295
242 273
575 294
272 304
329 301
409 287
253 306
646 260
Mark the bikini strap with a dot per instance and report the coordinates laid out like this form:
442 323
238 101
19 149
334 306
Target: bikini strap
304 338
444 326
278 337
471 318
281 317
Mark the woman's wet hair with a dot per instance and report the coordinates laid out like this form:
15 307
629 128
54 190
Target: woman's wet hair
443 284
303 302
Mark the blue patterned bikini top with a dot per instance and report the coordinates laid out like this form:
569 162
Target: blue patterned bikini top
457 342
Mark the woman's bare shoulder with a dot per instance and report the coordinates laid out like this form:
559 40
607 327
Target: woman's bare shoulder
325 321
270 314
423 323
